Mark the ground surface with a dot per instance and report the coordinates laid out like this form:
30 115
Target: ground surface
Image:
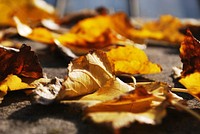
19 116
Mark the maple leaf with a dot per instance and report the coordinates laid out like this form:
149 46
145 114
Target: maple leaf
146 104
132 60
28 11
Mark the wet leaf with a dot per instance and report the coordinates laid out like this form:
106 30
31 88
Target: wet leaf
30 12
146 104
132 60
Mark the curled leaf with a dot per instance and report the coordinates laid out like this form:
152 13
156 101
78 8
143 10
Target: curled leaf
90 80
132 60
190 57
22 62
190 54
146 104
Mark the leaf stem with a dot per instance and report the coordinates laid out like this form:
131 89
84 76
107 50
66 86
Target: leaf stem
193 113
182 90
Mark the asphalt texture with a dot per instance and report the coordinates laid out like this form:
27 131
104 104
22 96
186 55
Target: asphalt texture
19 116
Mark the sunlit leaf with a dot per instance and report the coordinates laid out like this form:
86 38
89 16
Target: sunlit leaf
90 79
165 29
146 104
28 11
37 34
132 60
97 33
12 83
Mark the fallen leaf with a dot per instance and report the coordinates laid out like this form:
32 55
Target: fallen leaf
98 32
190 54
190 57
22 62
12 83
132 60
90 80
166 28
30 12
146 104
39 34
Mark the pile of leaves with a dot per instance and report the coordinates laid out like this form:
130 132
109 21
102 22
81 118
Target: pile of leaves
103 47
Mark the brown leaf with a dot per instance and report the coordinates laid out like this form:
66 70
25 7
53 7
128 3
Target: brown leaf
146 104
22 62
190 54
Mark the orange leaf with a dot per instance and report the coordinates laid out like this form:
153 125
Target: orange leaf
30 12
132 60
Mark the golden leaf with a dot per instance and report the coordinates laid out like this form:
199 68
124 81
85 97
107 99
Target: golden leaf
165 29
97 33
146 104
28 11
132 60
12 83
39 34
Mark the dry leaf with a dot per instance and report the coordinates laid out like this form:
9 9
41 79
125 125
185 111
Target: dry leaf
97 33
30 12
22 62
39 34
132 60
190 54
190 57
90 80
146 104
165 29
18 69
12 83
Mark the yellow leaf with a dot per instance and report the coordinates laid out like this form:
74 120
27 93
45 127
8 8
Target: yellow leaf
12 83
37 34
191 82
28 11
97 32
132 60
